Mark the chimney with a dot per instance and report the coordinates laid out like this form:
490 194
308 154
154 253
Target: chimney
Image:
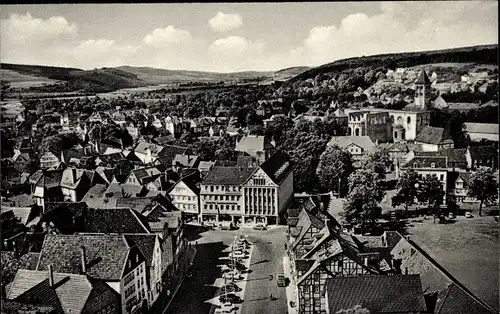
51 276
84 259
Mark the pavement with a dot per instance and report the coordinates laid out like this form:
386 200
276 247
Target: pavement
291 288
266 258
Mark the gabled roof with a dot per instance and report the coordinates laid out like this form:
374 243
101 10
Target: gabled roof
364 142
434 277
227 176
454 299
431 135
205 165
142 146
70 218
427 161
379 294
277 167
121 190
483 152
50 179
145 243
251 144
70 291
305 221
106 254
97 191
423 78
185 160
71 177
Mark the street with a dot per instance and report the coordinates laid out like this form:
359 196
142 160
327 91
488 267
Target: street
266 259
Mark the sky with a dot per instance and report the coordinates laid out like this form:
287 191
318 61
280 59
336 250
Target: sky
229 37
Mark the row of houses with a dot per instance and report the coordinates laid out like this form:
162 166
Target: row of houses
114 260
333 270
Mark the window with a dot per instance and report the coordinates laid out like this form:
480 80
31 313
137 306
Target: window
392 119
340 263
433 165
408 120
211 188
137 258
441 177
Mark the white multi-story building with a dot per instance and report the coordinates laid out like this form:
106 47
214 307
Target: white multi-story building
248 195
185 196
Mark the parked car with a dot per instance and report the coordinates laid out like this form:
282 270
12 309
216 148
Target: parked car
259 227
230 297
281 280
496 218
468 215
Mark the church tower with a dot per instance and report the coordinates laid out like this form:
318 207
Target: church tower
423 91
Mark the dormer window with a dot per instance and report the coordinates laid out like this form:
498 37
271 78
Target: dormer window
433 165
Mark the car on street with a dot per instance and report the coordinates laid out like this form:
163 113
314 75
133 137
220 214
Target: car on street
260 227
281 280
468 215
230 297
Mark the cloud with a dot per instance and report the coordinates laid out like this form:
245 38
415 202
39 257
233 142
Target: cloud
167 36
400 27
24 29
222 22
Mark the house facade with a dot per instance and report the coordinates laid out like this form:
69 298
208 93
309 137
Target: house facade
186 198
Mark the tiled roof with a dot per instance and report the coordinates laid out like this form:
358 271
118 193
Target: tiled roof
278 166
50 179
488 128
305 221
433 277
142 146
105 253
11 263
431 135
185 160
145 243
483 152
205 165
364 142
379 294
453 155
454 299
14 307
303 264
69 218
71 177
227 176
251 144
70 291
427 161
97 191
121 190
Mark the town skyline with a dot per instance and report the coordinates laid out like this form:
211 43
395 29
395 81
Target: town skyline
228 37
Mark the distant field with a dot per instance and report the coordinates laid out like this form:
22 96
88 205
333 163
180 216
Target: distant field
23 81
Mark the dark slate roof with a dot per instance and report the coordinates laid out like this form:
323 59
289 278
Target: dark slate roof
70 218
379 294
10 263
70 291
50 179
278 166
426 161
227 176
454 155
431 135
483 152
106 254
303 264
454 299
145 243
423 78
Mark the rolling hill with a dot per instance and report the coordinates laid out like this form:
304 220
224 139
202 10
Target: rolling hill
484 54
57 79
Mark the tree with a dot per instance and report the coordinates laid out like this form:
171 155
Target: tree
456 129
365 194
378 161
334 168
431 191
483 186
407 186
